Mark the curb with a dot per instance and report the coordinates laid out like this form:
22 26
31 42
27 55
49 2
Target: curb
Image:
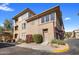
65 49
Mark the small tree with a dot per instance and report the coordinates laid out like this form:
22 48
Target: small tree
1 29
68 34
8 25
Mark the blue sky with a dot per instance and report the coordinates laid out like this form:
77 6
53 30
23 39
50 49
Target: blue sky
69 12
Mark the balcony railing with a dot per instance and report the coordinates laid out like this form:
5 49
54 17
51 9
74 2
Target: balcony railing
16 27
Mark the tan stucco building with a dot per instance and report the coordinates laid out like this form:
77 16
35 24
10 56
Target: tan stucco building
48 23
75 34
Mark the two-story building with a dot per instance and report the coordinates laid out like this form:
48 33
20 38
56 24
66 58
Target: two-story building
75 34
49 24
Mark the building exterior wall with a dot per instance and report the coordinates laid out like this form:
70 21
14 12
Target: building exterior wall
36 26
20 31
76 34
50 28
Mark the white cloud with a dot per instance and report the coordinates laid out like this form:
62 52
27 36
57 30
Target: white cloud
67 19
69 29
1 24
5 7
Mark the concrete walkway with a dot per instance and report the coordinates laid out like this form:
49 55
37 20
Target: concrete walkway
35 46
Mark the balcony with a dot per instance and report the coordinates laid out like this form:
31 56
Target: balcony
16 35
16 28
16 20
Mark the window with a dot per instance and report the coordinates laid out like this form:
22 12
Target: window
24 16
29 15
24 26
52 16
23 36
47 18
42 20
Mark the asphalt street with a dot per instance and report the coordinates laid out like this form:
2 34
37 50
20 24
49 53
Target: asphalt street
12 49
74 46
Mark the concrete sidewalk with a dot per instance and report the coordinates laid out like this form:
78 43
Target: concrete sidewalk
35 46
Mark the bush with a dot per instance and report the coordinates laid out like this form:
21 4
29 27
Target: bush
20 41
29 38
9 41
13 40
37 38
59 42
1 40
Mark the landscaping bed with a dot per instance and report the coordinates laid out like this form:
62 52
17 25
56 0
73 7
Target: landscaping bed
36 38
59 46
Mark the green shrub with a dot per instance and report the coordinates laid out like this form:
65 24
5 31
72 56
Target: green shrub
59 42
37 38
54 41
20 41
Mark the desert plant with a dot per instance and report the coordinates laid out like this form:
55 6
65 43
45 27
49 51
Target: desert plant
59 42
37 38
20 41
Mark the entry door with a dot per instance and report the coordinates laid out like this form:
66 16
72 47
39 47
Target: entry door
45 33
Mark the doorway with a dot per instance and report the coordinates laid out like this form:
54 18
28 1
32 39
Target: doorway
45 35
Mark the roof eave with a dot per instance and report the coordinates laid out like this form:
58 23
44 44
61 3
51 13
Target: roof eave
43 13
23 12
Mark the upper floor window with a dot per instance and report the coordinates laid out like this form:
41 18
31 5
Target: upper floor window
52 16
23 17
29 15
24 26
42 20
47 18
